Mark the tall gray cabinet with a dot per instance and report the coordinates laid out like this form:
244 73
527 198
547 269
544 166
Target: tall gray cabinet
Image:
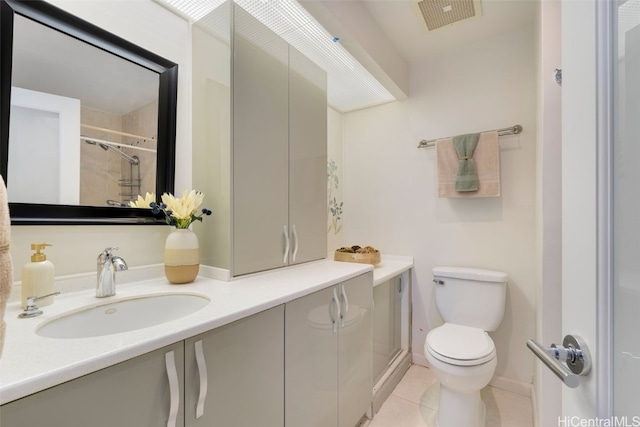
272 211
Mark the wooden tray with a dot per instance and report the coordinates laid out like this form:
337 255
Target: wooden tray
369 258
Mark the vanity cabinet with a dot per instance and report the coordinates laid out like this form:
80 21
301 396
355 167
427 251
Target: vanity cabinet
241 366
328 355
130 394
387 325
210 379
391 335
279 194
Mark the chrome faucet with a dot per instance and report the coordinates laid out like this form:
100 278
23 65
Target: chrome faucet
107 267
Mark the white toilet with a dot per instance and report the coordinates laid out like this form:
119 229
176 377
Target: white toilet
461 354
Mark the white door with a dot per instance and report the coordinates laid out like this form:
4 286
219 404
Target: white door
45 134
601 232
579 208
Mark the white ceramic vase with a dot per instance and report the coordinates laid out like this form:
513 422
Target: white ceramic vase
181 256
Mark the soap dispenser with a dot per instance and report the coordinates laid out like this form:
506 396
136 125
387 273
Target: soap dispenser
38 276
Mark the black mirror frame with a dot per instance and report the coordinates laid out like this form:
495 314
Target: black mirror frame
60 20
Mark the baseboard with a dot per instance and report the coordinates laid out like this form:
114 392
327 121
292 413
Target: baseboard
504 383
534 407
419 359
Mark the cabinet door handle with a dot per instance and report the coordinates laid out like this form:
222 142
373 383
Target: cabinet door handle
286 247
295 247
345 306
334 301
202 370
174 388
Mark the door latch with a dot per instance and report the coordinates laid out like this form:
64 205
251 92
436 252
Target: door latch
567 361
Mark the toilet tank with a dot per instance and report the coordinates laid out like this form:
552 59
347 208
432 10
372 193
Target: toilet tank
470 296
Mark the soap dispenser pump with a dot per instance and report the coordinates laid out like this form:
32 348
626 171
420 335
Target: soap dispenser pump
38 276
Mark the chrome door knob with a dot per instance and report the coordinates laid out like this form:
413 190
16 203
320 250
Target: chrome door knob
573 352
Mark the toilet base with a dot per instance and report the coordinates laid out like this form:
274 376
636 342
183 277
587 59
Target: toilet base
460 409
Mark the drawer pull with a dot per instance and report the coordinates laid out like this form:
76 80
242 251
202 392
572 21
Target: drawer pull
202 370
285 258
335 301
174 388
344 305
295 248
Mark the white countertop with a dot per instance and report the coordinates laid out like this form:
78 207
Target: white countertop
31 363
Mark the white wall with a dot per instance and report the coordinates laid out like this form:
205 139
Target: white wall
390 185
76 247
335 222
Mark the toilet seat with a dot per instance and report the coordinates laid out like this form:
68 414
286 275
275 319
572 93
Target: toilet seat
460 345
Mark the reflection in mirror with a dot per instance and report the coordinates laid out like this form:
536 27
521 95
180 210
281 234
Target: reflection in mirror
91 119
93 112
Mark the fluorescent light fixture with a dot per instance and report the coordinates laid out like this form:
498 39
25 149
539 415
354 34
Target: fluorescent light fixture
349 85
193 9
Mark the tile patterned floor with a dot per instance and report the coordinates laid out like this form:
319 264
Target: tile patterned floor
414 403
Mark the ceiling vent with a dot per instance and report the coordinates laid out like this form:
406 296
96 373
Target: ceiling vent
441 13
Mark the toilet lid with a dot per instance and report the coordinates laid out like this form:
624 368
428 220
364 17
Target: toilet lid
460 345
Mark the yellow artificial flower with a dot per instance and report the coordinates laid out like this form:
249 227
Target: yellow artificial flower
181 212
185 206
143 203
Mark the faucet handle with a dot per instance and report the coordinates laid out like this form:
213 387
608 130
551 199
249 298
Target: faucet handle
107 253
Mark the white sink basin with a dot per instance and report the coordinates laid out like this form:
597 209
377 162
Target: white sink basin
122 316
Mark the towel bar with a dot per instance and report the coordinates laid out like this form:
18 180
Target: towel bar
513 130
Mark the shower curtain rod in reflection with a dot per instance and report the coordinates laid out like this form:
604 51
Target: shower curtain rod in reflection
90 140
107 145
117 132
513 130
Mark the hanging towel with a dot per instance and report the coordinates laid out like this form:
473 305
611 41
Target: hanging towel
6 267
466 177
486 157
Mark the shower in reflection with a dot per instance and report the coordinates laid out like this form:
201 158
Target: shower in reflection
129 185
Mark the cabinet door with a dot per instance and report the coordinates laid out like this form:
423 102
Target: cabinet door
244 369
260 159
355 388
307 159
130 394
386 325
311 371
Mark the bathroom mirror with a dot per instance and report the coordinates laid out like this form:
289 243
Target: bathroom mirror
87 119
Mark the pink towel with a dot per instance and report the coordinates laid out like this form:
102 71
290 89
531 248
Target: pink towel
487 161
